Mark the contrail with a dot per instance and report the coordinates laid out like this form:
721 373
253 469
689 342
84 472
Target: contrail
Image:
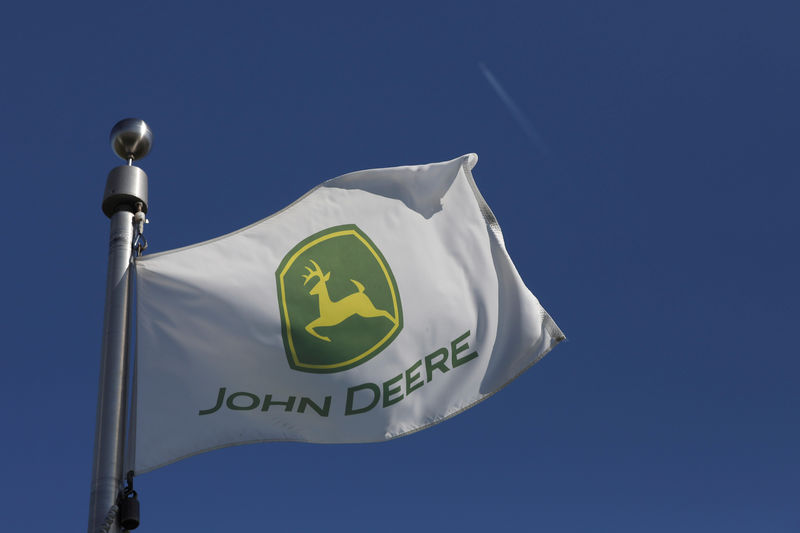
516 112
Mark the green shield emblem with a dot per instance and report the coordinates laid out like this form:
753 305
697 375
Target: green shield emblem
338 301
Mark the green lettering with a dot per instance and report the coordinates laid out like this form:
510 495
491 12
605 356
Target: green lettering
321 411
388 391
463 348
288 404
351 393
254 401
220 397
411 378
430 366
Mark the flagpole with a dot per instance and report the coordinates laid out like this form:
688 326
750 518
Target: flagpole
125 194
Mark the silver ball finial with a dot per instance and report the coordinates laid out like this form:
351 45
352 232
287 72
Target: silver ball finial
131 139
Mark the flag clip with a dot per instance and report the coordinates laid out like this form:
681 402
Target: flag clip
139 220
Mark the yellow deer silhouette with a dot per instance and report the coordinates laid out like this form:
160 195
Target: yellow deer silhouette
332 313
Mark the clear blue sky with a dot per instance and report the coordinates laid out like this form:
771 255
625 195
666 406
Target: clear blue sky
644 172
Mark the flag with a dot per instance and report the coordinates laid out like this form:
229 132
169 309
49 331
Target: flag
378 304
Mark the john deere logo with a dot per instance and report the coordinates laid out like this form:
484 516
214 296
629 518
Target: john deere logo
338 299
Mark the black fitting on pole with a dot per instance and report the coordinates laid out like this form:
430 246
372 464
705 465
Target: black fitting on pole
129 506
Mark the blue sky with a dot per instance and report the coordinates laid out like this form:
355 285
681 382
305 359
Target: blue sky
655 220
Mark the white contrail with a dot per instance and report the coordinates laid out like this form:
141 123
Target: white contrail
516 112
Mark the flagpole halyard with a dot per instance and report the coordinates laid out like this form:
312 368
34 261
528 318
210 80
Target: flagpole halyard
125 194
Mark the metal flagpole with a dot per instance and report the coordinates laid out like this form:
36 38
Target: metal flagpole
125 194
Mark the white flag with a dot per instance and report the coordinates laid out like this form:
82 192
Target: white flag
380 303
